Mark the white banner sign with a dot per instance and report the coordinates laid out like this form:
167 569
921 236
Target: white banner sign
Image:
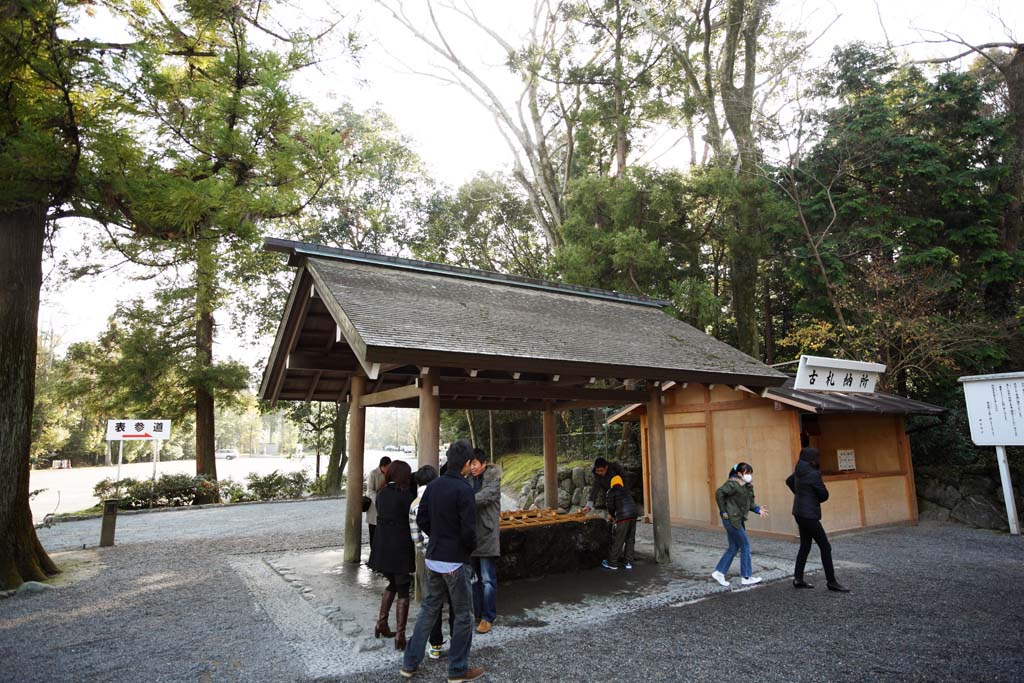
836 374
995 406
138 430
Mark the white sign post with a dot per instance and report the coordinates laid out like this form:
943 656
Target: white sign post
836 374
137 430
995 408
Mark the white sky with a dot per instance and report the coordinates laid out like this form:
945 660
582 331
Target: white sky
457 138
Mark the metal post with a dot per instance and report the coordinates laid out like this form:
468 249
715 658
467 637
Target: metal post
156 456
120 456
1011 504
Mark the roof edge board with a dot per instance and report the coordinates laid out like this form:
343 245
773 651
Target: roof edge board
276 369
298 250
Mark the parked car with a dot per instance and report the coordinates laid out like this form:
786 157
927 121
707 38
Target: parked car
226 454
407 449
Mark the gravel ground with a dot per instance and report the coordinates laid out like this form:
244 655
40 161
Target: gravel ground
171 603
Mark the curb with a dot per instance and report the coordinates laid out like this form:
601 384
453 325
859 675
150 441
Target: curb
71 517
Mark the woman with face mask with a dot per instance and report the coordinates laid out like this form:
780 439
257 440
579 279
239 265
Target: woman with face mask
735 499
809 493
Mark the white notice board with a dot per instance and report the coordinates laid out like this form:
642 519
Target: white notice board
995 406
138 430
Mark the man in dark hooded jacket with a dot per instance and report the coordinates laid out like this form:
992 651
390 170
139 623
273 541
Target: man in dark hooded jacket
809 493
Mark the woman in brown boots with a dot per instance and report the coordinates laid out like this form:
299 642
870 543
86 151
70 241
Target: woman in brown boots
392 553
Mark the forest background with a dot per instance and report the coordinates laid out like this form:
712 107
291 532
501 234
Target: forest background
862 202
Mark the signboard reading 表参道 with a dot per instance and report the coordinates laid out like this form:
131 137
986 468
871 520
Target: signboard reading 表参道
138 430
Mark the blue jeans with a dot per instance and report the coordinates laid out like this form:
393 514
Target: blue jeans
485 588
439 587
738 542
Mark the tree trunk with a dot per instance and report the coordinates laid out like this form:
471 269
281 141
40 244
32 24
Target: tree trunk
339 453
769 325
22 232
206 273
472 432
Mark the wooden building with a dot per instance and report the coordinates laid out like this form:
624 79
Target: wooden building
384 331
711 427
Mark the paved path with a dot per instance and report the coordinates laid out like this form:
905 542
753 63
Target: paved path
247 593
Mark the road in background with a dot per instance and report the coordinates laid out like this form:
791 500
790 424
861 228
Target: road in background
71 490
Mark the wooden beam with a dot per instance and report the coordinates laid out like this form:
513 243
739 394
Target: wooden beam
297 307
380 398
554 393
313 385
550 460
319 360
354 500
660 512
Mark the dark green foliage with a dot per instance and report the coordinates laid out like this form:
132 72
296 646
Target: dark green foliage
278 486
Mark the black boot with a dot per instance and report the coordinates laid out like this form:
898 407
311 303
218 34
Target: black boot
837 587
381 630
800 583
401 617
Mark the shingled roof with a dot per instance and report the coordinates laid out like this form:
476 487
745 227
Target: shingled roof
397 312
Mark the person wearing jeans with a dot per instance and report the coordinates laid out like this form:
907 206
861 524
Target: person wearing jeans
485 592
447 515
486 481
735 499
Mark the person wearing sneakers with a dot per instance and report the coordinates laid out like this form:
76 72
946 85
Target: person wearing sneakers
486 480
809 493
422 477
392 554
735 499
447 515
623 511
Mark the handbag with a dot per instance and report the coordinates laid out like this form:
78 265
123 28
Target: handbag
366 503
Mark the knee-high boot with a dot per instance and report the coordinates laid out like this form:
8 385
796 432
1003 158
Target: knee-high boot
382 630
401 617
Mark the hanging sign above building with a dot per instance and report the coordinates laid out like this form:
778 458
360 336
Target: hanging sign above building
836 374
138 430
995 406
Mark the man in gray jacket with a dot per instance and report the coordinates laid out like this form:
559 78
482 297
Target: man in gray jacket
486 480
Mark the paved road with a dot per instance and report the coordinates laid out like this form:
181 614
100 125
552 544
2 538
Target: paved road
174 601
71 490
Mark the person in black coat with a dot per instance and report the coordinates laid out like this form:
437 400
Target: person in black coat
809 493
393 553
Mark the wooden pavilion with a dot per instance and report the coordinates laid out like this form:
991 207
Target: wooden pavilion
384 331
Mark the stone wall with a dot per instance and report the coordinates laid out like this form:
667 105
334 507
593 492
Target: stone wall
573 489
975 500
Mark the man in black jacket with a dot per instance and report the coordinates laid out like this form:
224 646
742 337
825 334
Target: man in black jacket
447 514
603 473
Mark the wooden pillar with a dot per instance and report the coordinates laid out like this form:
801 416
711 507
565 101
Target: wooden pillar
645 466
354 489
659 476
550 460
430 420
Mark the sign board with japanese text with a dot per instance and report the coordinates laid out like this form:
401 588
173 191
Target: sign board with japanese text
847 459
995 407
836 374
138 430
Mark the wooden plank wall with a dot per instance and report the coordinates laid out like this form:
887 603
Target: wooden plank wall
709 429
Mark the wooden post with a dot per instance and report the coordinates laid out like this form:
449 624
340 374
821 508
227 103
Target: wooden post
550 460
430 420
645 467
659 476
354 495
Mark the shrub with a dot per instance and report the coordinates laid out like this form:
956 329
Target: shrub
232 491
277 486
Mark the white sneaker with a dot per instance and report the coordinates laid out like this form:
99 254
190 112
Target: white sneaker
751 580
720 578
435 651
